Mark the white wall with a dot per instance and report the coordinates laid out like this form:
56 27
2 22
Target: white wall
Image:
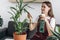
56 10
5 5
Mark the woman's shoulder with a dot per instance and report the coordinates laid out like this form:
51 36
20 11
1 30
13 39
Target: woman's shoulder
52 19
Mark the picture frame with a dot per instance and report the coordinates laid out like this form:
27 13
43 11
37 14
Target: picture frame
37 1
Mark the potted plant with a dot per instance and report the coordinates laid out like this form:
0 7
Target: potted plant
16 13
56 35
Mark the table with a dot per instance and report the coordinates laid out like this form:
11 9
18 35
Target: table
8 39
12 39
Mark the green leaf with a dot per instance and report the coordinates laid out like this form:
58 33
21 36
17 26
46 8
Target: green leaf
17 15
17 2
24 20
57 33
21 2
26 10
13 8
30 7
31 1
11 13
51 38
23 7
54 33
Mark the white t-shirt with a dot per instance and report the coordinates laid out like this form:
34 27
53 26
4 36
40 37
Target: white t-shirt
52 21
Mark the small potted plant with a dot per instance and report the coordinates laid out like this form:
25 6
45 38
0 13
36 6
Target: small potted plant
16 13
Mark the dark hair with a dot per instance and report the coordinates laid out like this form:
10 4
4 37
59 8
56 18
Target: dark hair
50 12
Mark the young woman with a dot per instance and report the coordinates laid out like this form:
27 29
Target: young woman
48 17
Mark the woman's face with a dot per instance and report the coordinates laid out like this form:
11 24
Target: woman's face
45 8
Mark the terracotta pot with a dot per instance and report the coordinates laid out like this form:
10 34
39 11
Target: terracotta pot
19 37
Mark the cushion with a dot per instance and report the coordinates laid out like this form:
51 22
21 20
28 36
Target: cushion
30 34
11 28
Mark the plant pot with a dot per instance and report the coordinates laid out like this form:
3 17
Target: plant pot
19 37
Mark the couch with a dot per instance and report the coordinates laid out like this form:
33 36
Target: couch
8 32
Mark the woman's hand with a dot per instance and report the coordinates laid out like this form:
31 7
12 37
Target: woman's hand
29 16
42 16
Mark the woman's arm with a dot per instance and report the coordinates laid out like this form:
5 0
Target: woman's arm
32 26
50 25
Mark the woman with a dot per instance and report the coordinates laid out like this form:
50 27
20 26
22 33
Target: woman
48 17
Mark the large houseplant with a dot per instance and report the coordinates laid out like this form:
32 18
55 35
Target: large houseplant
56 35
19 26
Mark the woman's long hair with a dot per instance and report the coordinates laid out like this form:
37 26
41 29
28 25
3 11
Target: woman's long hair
50 12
